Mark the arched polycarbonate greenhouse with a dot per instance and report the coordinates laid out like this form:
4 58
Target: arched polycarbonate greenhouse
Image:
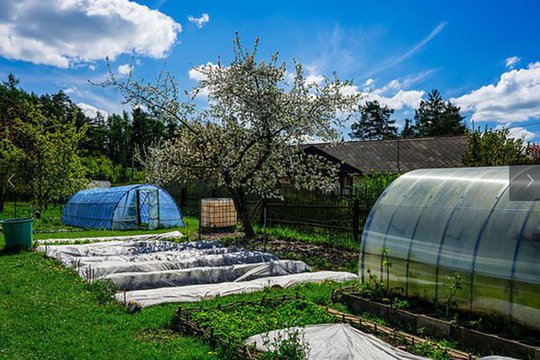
122 207
435 223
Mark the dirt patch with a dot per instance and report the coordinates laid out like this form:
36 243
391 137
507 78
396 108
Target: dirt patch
319 257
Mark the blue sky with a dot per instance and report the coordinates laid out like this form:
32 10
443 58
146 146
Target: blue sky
484 55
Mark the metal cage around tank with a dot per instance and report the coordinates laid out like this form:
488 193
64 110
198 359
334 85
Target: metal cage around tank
434 223
122 207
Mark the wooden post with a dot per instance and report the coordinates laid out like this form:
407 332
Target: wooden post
264 214
356 220
200 213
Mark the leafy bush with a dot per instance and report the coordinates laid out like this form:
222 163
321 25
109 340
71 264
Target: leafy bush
373 288
289 344
368 188
497 148
234 325
102 290
433 352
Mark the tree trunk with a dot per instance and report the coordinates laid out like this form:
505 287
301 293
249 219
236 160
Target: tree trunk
242 210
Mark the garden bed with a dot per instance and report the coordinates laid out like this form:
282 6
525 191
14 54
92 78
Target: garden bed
422 323
226 326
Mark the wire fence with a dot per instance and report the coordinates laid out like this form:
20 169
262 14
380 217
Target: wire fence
299 209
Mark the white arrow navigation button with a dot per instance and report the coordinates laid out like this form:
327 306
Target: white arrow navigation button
532 180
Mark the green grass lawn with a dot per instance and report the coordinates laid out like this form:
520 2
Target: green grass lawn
48 312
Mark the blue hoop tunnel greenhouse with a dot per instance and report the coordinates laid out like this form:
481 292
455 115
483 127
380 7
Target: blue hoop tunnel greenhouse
122 208
436 223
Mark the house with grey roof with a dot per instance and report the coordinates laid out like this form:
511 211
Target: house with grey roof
358 158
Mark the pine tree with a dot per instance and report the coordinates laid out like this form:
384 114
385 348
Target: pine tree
437 117
375 123
408 130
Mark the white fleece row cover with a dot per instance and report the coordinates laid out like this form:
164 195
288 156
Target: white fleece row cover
337 342
193 293
204 275
154 264
179 272
126 248
90 267
165 236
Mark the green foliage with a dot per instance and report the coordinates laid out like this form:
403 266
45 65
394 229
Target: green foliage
436 117
453 284
103 290
374 318
429 350
386 264
99 168
236 324
496 148
368 188
51 156
373 288
10 117
374 123
288 345
402 304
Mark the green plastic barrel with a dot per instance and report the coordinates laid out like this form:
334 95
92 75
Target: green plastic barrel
18 233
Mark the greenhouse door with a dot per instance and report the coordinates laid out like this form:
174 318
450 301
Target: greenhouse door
148 208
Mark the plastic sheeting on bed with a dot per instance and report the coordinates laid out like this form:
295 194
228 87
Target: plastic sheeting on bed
193 293
131 248
165 236
204 275
90 267
336 342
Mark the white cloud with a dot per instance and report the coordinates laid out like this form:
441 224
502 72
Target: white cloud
515 97
313 75
511 62
390 94
125 69
400 100
433 34
91 111
200 21
196 74
369 82
66 32
106 103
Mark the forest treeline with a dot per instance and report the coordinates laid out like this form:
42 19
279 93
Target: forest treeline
49 148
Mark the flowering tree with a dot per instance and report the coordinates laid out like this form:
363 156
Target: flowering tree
249 134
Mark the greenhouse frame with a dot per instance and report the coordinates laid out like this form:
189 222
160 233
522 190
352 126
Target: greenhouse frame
434 223
122 207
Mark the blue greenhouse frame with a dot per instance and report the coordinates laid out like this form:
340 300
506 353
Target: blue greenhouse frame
122 208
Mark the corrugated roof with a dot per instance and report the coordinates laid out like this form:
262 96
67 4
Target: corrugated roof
396 155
